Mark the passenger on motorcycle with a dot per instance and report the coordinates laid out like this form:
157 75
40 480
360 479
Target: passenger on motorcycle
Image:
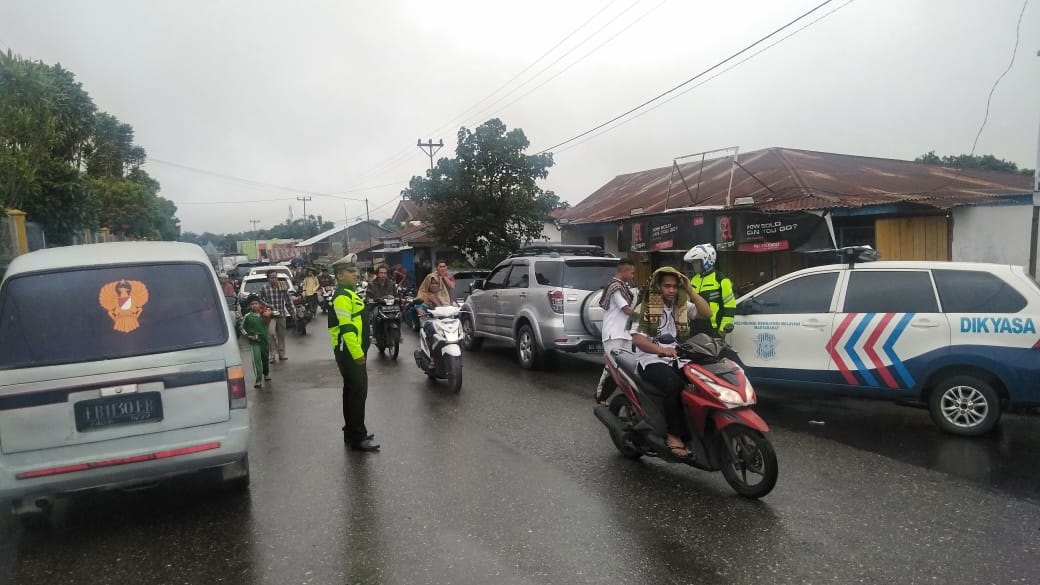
666 306
310 290
380 287
325 279
432 296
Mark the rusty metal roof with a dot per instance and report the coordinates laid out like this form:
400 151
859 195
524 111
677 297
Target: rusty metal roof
784 179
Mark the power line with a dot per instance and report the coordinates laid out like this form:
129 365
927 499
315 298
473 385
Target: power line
704 81
402 155
560 58
586 55
985 118
1014 51
688 81
338 194
461 117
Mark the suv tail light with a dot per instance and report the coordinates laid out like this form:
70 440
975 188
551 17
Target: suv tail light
236 386
556 300
1037 344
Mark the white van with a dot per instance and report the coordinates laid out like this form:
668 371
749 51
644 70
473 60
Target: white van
959 337
118 366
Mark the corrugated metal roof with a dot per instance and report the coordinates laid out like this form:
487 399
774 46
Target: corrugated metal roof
783 179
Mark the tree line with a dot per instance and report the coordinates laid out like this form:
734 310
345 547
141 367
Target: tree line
70 166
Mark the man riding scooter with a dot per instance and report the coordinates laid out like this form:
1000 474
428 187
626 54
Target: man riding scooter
666 307
381 286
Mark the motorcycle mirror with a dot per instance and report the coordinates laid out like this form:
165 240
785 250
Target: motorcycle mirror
728 328
477 284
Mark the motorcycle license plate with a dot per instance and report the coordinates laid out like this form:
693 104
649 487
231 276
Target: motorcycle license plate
594 348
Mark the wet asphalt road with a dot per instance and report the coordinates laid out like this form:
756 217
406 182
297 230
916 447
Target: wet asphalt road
514 481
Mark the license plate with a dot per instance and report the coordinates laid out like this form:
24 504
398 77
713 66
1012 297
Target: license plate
594 348
118 410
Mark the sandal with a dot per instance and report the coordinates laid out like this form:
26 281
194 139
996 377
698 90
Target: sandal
267 378
257 385
680 451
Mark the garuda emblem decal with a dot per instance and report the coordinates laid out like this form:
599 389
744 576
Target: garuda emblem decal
124 300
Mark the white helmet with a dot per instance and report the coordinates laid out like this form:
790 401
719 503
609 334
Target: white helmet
703 252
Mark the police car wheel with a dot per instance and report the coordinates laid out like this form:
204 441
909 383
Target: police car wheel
964 405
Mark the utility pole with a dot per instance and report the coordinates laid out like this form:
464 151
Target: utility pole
305 199
368 220
1035 224
430 149
254 222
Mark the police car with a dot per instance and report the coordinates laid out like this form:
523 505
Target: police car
959 337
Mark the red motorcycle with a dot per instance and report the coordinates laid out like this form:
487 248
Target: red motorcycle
725 433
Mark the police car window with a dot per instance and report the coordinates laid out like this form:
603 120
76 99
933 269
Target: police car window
890 291
973 291
497 278
807 294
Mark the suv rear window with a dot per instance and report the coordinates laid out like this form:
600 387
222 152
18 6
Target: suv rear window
973 291
576 274
108 313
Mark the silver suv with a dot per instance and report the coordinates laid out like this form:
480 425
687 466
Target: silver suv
541 300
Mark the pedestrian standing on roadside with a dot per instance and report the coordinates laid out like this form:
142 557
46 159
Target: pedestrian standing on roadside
617 306
275 294
255 330
350 335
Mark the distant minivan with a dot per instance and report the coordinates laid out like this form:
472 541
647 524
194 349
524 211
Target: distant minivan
959 337
118 366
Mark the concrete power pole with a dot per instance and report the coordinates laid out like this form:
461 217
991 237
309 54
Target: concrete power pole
254 222
430 149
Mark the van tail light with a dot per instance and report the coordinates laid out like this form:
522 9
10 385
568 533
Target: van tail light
236 386
556 300
1037 344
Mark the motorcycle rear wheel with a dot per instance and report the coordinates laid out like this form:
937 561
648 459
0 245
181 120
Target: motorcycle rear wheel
623 409
747 454
453 369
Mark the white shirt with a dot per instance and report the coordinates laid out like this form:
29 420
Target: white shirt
667 327
615 319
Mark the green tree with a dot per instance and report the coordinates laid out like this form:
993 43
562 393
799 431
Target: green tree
46 122
485 201
113 152
389 225
986 162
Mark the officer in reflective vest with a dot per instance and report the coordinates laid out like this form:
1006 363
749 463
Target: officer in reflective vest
349 331
715 288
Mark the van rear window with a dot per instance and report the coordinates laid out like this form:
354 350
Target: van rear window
107 313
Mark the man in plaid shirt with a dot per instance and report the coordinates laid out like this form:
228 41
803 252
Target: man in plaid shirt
275 294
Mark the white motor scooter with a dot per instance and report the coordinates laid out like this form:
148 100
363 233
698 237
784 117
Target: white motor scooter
439 355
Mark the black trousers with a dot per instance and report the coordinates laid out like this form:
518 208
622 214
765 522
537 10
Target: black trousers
355 393
665 390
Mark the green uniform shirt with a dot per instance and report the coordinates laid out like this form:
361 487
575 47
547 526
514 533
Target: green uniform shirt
348 323
253 324
718 291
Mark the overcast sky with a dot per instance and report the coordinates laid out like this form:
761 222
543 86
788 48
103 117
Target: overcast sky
329 97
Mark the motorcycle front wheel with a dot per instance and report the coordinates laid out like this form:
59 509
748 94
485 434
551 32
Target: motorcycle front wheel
453 371
748 461
395 348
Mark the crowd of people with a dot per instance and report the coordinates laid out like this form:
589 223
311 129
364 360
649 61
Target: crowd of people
670 309
349 324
